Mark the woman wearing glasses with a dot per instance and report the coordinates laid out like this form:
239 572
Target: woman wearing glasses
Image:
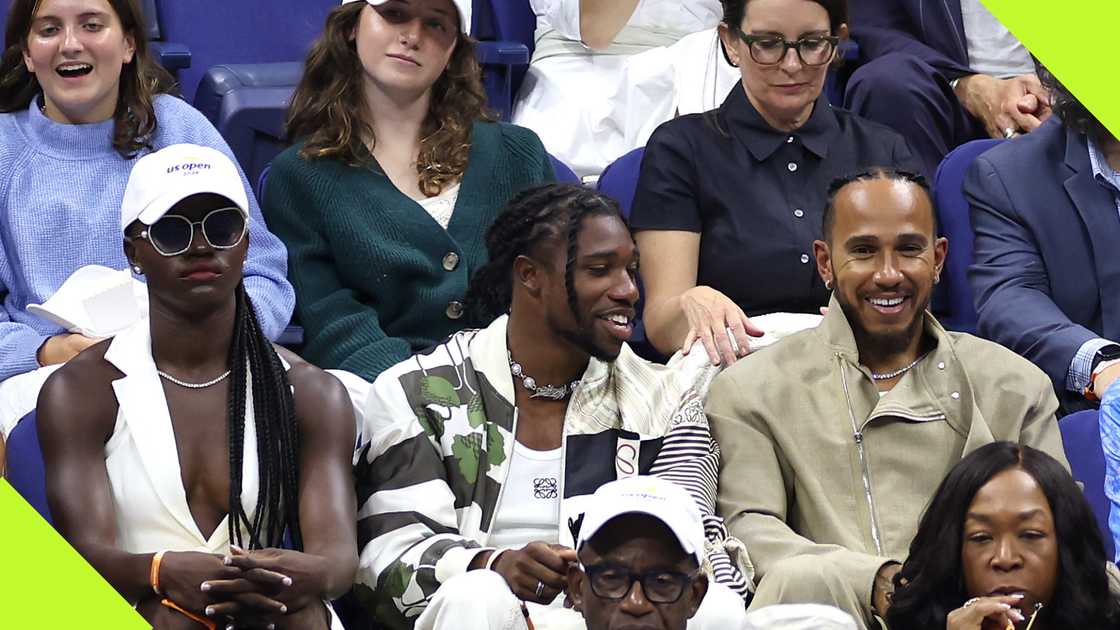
80 100
185 452
734 197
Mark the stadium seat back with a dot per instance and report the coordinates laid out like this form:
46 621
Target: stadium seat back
242 32
620 179
564 173
248 104
506 30
1081 437
25 464
952 301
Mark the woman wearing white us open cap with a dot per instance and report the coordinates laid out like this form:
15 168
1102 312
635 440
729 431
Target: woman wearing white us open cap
396 175
205 476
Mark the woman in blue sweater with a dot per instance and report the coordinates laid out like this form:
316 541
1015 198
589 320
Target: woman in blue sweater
397 174
80 100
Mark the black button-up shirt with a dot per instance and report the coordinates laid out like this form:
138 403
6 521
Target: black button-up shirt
756 195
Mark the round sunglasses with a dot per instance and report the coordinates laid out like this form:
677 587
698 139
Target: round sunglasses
173 234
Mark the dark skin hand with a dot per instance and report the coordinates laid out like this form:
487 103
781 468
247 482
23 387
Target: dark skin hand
80 499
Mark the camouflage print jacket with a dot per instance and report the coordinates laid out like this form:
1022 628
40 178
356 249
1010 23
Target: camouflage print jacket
437 438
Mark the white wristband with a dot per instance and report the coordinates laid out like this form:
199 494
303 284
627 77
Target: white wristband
494 558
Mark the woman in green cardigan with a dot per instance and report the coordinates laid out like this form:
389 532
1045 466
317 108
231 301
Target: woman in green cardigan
397 173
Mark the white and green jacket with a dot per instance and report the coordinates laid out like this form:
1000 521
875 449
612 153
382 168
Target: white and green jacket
436 440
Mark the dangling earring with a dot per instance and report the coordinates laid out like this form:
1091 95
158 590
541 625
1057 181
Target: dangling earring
137 270
828 284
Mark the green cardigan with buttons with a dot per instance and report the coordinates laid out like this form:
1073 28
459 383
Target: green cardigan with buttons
376 277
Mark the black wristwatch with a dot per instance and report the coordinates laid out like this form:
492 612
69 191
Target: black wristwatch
1111 352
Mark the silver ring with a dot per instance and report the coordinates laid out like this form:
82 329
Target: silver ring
971 602
1009 133
540 589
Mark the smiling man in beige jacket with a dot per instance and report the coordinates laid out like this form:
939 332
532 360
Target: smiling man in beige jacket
835 438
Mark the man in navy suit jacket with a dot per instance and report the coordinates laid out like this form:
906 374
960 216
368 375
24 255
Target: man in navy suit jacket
941 73
1046 277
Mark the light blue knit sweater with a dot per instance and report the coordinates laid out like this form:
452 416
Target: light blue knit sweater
60 194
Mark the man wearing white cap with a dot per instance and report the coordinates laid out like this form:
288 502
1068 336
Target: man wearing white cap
640 548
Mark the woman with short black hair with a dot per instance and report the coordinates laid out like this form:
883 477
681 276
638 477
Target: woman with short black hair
1007 541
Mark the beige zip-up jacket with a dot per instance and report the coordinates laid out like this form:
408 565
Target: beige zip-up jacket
816 463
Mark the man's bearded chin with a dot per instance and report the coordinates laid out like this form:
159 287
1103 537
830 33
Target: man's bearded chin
880 344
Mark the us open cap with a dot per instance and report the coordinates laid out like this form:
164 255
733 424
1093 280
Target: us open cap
653 496
162 179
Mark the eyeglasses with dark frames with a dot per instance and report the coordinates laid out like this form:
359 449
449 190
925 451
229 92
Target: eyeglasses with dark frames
769 50
610 581
173 234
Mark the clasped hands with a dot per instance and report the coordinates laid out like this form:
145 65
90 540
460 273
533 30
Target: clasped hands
262 589
1005 106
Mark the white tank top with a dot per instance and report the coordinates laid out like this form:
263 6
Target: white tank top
530 505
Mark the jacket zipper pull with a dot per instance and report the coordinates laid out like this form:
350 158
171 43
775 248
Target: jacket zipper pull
858 437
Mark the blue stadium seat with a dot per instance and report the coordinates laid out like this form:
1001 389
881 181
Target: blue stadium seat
505 31
247 104
174 57
620 179
216 31
952 301
564 173
25 465
1081 437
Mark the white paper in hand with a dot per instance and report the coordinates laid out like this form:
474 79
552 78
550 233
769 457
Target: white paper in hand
95 301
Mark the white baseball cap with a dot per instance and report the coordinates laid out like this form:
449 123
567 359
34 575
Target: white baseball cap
162 179
464 7
660 498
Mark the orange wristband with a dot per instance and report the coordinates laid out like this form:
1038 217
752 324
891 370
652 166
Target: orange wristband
153 577
210 625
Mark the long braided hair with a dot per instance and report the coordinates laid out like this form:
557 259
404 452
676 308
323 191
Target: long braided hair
251 355
534 216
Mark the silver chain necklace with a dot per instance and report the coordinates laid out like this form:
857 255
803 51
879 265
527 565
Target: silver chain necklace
214 381
886 376
551 392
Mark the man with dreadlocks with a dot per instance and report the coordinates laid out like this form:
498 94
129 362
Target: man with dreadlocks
477 458
184 453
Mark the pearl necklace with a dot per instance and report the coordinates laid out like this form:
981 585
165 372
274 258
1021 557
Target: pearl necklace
886 376
214 381
551 392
